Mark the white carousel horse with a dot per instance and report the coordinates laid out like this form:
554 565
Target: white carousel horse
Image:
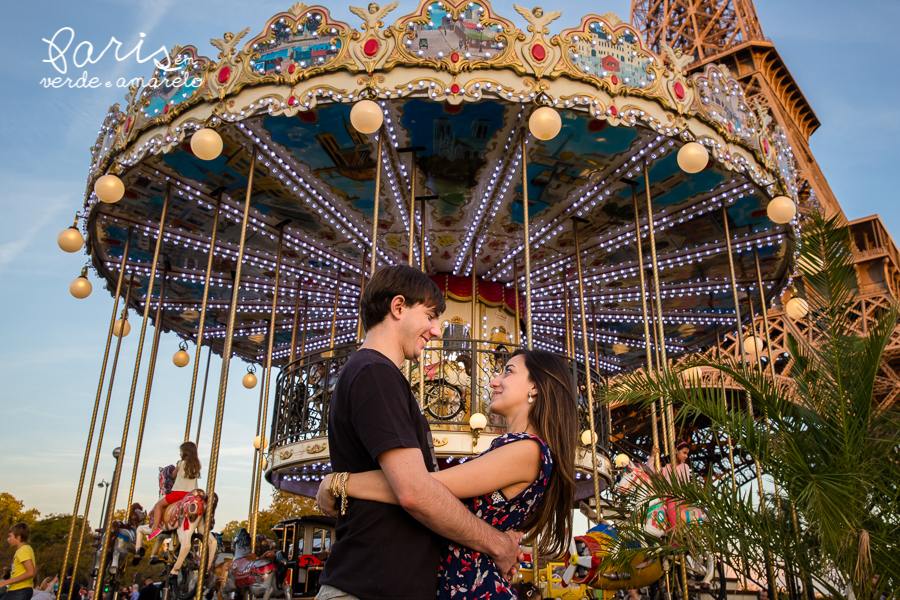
179 521
123 540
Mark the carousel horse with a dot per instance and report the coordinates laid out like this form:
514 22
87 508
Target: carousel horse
124 535
180 521
586 553
260 576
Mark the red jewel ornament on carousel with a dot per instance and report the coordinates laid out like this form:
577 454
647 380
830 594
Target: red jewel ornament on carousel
370 48
679 90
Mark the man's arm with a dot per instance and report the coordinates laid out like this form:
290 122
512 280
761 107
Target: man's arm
433 505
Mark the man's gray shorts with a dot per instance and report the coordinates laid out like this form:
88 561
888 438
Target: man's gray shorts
332 593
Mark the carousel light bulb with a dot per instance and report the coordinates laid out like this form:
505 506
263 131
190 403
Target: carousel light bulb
366 116
477 422
265 463
181 358
70 240
544 123
206 144
588 437
622 461
753 345
781 210
797 308
81 287
249 381
693 157
260 440
121 328
109 188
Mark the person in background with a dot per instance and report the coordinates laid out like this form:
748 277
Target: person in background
67 583
21 581
150 591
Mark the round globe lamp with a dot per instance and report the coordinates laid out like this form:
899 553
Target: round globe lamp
366 116
121 328
693 157
181 359
622 461
545 123
206 144
260 440
588 437
70 240
249 381
109 188
753 345
797 308
81 287
781 210
477 422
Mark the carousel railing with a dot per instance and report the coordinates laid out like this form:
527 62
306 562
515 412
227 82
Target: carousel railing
304 389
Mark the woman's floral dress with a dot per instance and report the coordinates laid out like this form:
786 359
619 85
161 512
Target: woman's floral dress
469 575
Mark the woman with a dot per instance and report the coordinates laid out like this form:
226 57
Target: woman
525 481
187 472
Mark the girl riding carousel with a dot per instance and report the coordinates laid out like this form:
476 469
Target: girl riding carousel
187 472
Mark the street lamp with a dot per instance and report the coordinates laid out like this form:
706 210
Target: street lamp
116 454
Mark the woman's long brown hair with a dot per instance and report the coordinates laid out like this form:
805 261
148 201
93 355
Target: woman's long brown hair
554 416
190 462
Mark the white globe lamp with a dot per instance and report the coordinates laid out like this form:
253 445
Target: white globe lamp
693 157
206 144
545 123
366 116
781 210
109 188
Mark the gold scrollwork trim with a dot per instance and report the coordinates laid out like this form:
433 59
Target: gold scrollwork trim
316 448
439 442
286 454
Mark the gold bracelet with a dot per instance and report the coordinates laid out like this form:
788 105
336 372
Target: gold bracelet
335 485
344 479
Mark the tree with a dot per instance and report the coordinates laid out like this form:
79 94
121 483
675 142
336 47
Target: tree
284 506
832 455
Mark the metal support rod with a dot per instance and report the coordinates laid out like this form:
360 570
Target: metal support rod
294 326
377 198
648 351
765 314
587 366
725 401
337 292
770 573
516 290
102 430
362 289
104 546
473 330
412 212
661 346
567 317
151 370
254 512
203 394
594 334
305 326
223 382
202 325
529 330
256 454
422 233
90 439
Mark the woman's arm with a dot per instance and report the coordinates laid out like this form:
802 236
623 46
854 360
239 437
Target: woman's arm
515 463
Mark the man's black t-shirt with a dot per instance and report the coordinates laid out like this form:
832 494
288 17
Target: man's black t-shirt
381 552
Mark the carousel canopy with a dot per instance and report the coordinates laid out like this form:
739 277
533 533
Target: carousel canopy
457 85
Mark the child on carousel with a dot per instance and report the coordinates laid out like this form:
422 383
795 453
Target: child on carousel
682 470
187 472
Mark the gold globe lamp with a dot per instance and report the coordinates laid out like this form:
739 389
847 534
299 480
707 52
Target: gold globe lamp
797 308
260 441
121 328
781 210
181 358
206 144
81 287
753 345
588 438
109 188
249 380
544 123
70 240
366 116
622 461
693 157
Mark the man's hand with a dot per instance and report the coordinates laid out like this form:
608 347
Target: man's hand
327 503
508 555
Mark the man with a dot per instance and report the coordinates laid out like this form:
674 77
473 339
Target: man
135 592
384 551
150 590
69 582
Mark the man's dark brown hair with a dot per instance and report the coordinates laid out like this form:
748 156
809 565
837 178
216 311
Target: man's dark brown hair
399 280
21 531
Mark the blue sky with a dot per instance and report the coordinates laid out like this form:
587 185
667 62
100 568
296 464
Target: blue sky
53 343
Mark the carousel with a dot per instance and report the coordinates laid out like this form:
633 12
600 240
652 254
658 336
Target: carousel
570 191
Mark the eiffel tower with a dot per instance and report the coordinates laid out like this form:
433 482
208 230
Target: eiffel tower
728 32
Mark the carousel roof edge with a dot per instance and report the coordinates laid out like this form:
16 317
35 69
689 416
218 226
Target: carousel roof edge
301 49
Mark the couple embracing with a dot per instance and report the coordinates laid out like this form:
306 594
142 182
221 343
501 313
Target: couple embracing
411 531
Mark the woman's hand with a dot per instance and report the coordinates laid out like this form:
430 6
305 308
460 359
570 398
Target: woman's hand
327 503
654 451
